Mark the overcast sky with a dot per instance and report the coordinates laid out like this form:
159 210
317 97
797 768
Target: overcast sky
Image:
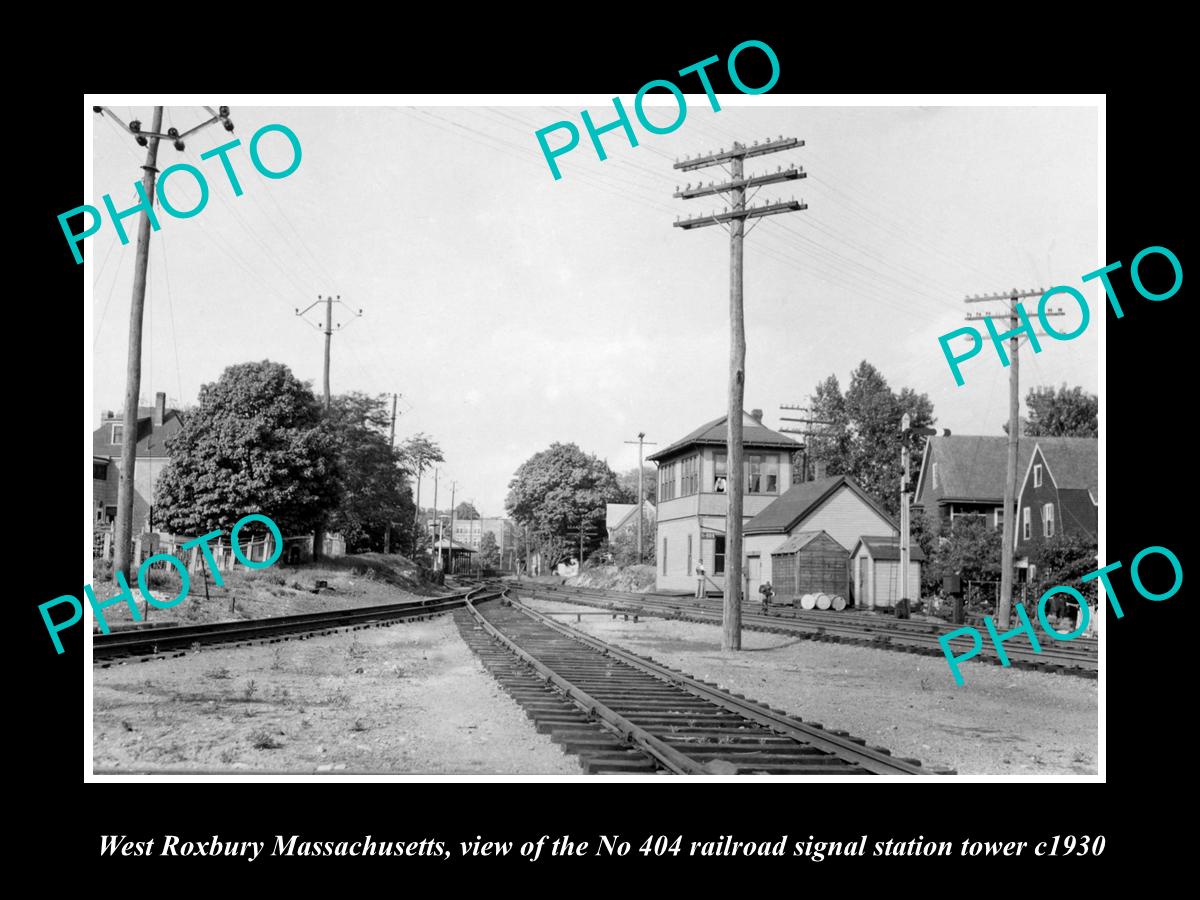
511 310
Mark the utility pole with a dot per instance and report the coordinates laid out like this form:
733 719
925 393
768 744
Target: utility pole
123 527
733 219
328 330
439 515
453 487
906 498
387 532
641 442
1009 546
801 476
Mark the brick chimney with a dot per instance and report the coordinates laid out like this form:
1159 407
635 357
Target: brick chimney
756 415
160 408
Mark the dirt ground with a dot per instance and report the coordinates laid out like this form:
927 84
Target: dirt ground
351 581
1000 722
410 698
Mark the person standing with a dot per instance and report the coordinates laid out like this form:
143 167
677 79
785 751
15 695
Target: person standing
700 581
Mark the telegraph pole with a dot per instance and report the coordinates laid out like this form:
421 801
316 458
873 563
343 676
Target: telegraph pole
387 531
453 487
801 476
328 330
641 442
733 219
1009 546
123 528
436 513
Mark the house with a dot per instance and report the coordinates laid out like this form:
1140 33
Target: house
835 505
963 475
619 517
155 424
1059 494
693 486
875 563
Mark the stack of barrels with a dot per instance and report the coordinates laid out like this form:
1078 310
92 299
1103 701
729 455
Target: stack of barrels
822 601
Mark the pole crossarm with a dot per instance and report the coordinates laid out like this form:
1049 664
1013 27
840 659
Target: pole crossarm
739 152
701 190
757 212
1014 294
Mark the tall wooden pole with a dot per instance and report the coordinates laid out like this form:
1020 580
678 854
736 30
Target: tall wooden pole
735 220
905 524
450 550
1004 612
417 526
387 531
328 340
123 528
731 636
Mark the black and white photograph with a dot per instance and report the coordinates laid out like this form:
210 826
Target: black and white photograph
540 440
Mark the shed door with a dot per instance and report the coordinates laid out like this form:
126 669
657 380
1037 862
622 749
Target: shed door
754 574
864 586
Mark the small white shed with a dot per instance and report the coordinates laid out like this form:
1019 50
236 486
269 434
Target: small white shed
875 572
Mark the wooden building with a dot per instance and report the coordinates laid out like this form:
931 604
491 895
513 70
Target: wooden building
875 564
810 562
835 505
1059 494
693 486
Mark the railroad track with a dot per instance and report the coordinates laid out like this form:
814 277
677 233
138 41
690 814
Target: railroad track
175 640
904 636
620 712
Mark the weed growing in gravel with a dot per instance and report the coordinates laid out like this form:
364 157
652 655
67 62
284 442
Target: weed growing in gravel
356 650
264 740
250 688
219 672
339 698
277 659
359 725
227 757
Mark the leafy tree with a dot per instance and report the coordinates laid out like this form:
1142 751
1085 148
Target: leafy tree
489 552
1061 412
864 438
419 453
257 442
557 491
624 547
970 548
1063 560
373 474
466 510
629 482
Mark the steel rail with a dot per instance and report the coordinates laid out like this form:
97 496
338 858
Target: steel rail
873 761
161 639
679 763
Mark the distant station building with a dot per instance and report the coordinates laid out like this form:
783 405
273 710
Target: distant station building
693 495
470 532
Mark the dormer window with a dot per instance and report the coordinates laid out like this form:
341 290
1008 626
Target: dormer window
1037 476
118 434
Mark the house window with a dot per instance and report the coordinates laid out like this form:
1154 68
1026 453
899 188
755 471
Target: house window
690 482
110 513
664 556
1048 520
117 434
1037 476
99 512
1025 527
100 471
666 488
720 472
719 555
762 474
998 517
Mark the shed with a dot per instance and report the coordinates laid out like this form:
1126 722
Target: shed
875 564
810 562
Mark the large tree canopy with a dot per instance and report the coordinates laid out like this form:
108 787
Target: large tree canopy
1061 412
863 437
257 442
375 489
629 484
558 490
466 510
